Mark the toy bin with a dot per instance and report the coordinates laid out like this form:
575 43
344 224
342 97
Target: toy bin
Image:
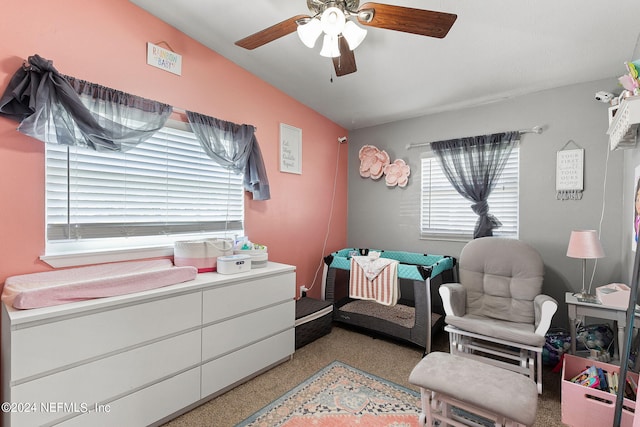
588 407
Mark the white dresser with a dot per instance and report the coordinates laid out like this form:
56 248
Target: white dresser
142 358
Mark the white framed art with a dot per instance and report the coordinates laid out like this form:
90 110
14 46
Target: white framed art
290 149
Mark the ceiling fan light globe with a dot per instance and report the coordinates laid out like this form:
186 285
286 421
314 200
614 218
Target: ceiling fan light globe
353 34
333 21
310 32
330 47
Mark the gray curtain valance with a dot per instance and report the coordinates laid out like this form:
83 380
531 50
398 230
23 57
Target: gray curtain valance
55 108
234 147
472 165
61 109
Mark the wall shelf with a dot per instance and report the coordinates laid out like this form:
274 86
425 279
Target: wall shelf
623 126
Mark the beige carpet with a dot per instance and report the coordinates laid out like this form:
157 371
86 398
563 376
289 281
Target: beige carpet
386 359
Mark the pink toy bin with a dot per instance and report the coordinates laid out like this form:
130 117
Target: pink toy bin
587 407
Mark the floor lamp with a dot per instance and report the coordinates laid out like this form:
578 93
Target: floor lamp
584 244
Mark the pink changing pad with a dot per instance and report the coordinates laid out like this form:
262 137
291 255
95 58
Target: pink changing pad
97 281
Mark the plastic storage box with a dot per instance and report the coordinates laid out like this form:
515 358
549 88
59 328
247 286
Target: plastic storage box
313 320
614 295
232 264
587 407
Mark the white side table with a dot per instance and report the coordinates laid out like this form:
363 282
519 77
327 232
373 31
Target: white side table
579 310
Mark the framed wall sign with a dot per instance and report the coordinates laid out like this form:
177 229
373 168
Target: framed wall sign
164 59
290 149
570 174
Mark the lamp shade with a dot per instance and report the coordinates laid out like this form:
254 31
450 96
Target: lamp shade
330 47
584 244
353 34
310 32
332 21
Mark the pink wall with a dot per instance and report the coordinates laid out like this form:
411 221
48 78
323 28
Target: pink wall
104 41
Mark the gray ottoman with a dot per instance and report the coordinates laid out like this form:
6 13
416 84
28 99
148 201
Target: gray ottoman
446 380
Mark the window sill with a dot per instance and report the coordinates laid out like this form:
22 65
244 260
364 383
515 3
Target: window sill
99 257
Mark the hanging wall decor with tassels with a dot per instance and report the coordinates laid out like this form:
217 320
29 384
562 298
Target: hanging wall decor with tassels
570 172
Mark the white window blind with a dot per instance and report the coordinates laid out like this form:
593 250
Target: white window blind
446 214
165 186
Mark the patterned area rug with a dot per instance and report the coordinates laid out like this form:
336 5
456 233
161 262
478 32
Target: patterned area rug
339 396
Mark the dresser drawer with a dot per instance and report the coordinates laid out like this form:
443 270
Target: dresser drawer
232 368
145 406
105 379
227 301
223 337
51 346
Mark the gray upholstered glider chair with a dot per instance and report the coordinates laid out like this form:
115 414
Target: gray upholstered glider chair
497 313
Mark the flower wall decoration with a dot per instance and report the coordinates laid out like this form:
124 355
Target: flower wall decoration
372 162
397 173
375 162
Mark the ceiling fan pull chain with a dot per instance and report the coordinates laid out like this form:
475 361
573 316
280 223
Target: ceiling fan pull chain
333 70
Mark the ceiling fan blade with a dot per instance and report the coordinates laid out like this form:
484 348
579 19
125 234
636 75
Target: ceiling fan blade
346 62
409 20
270 34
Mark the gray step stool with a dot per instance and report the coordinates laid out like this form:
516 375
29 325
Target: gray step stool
445 380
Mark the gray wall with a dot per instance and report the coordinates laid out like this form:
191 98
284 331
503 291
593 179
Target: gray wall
388 218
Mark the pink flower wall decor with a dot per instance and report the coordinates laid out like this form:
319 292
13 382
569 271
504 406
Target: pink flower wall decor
372 161
397 173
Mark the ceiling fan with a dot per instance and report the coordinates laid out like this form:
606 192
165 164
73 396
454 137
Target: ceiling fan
335 18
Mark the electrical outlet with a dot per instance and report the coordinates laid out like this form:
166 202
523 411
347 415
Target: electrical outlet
303 291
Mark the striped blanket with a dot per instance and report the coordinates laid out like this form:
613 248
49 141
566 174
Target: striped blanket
380 285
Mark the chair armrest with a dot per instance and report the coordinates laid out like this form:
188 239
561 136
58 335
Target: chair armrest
454 299
545 307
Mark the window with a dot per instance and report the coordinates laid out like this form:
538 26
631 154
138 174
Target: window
163 189
446 214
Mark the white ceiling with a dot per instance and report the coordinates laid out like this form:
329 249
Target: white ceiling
496 49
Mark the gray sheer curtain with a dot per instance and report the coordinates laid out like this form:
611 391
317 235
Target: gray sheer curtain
234 147
473 165
60 109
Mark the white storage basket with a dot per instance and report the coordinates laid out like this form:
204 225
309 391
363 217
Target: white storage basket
202 254
259 257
